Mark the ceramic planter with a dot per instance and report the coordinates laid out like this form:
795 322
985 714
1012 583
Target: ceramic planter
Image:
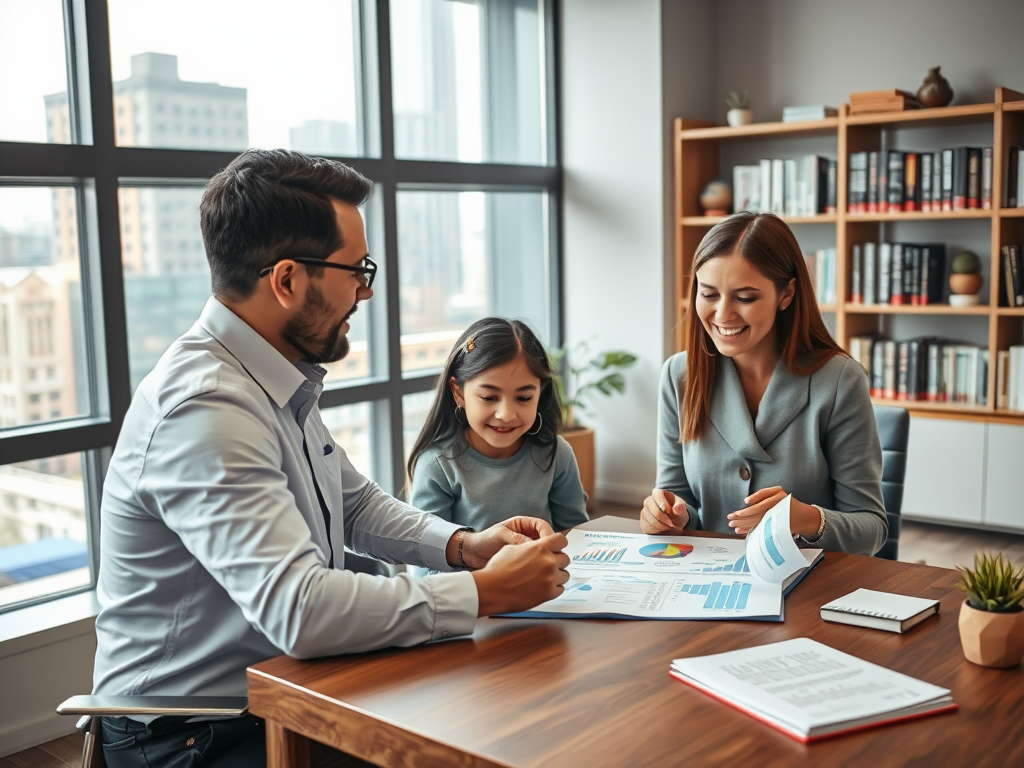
991 639
737 117
964 289
581 440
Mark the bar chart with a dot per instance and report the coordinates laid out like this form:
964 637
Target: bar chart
720 595
600 555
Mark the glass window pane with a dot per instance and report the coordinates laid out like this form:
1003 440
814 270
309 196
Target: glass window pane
466 255
469 80
167 279
349 425
44 546
414 416
248 75
33 72
43 364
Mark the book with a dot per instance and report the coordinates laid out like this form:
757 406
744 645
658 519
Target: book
831 186
896 189
960 155
615 575
811 112
986 177
857 189
933 273
859 97
746 186
879 610
973 177
911 177
873 190
947 180
926 181
856 275
810 691
1011 177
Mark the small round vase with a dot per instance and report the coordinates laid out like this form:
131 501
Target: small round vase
935 90
991 639
737 117
964 290
716 198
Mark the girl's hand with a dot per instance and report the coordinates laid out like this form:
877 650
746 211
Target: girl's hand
746 520
663 512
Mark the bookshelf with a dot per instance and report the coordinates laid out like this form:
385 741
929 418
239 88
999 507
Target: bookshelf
703 153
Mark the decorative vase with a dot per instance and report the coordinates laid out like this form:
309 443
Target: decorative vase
991 639
716 198
737 117
964 289
935 90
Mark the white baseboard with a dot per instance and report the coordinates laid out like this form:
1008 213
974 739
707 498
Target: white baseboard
623 493
21 736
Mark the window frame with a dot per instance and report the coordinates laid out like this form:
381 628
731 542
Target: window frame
100 167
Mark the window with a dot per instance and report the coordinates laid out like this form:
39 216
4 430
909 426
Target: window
99 275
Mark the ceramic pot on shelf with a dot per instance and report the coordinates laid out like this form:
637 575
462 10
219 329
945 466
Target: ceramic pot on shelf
935 91
964 288
991 639
716 198
738 117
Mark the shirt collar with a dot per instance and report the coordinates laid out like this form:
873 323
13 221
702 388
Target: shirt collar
268 367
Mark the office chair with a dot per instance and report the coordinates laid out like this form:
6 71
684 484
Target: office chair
893 432
95 707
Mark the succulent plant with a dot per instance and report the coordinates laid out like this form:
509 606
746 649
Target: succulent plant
965 263
993 584
738 100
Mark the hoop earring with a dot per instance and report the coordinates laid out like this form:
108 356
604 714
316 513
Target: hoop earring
541 424
458 413
704 346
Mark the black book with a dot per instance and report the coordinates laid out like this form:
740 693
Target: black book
873 192
926 181
933 273
973 177
1016 275
877 368
902 370
858 183
1006 297
856 275
960 178
947 179
895 194
896 275
986 178
913 253
908 273
937 181
1011 178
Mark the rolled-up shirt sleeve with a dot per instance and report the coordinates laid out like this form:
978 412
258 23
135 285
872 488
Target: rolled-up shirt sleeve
213 474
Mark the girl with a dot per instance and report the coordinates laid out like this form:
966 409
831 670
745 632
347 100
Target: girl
490 448
764 403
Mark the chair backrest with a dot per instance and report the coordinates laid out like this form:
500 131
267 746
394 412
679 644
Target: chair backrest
893 432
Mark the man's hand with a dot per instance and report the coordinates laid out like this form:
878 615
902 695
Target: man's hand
521 577
480 546
663 512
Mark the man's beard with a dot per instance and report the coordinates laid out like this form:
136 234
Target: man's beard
301 331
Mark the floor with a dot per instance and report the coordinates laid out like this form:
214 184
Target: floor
937 545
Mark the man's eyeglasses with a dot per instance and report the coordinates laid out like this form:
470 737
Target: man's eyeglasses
365 273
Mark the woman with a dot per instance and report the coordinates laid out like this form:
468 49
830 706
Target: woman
765 403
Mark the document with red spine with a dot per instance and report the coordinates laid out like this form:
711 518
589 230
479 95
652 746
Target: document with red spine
811 691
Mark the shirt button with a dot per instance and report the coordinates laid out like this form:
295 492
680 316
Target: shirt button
744 473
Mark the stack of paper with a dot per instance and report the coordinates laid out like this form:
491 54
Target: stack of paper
810 691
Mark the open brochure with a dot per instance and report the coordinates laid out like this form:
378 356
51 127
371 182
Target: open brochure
634 576
811 691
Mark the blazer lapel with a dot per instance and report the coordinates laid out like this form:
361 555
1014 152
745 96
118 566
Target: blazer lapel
729 412
786 396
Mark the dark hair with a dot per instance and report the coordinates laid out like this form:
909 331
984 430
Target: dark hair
495 341
765 241
269 203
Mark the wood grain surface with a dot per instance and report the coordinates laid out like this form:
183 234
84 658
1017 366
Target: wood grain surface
532 692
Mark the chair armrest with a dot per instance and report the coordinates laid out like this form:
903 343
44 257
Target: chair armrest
190 706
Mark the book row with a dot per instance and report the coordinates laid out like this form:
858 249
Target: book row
822 268
925 369
803 187
1010 378
949 180
897 273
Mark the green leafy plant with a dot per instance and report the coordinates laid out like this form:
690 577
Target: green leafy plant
738 100
585 374
993 584
965 263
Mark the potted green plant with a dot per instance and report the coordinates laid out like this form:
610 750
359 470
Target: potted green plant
578 376
965 279
992 617
739 112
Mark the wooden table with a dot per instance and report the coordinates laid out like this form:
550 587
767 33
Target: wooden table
531 692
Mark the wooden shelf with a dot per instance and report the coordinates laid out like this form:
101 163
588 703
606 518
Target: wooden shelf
801 129
700 150
970 213
904 309
710 221
969 113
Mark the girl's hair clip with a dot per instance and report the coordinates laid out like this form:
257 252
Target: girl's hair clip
470 346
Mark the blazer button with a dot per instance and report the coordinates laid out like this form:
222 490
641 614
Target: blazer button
744 473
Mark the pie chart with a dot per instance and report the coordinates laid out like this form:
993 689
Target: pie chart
666 551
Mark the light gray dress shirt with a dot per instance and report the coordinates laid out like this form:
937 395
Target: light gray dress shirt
815 436
215 551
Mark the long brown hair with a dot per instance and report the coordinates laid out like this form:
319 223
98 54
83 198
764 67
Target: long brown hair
765 241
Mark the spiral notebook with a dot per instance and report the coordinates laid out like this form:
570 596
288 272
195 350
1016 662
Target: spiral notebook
879 610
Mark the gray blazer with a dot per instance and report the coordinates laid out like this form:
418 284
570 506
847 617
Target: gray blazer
814 435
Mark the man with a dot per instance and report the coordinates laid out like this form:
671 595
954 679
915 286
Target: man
227 505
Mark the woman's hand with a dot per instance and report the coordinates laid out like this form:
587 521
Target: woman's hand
803 518
663 512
